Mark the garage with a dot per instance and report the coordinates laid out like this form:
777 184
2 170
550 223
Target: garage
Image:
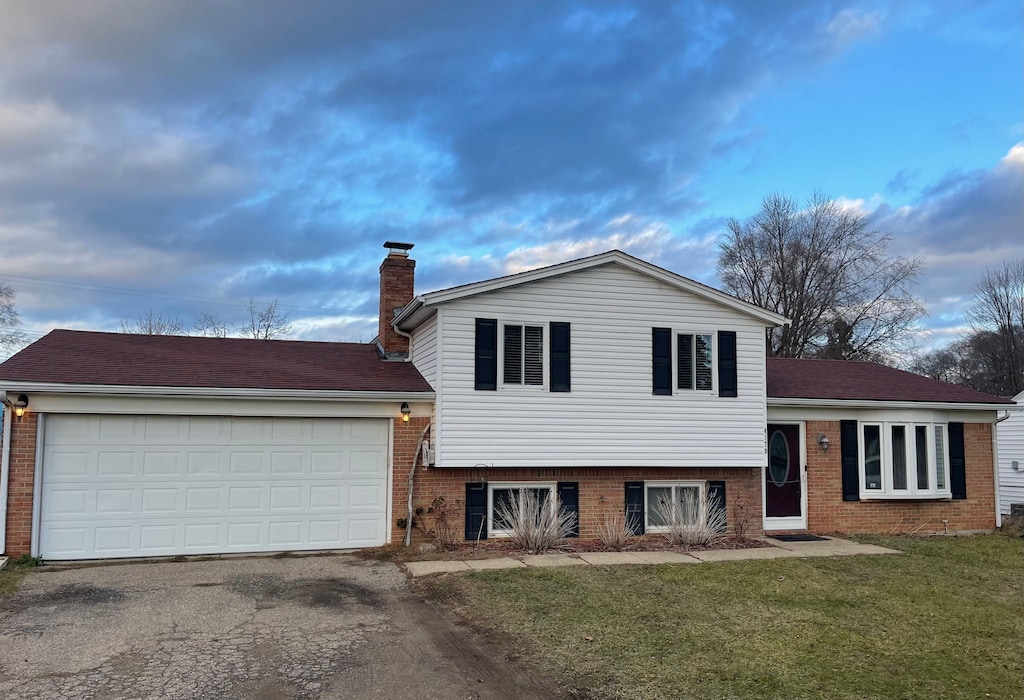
160 485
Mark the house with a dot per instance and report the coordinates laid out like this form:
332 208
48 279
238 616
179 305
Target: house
1011 461
606 381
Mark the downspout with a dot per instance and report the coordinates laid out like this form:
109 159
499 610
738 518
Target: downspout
995 463
408 356
5 467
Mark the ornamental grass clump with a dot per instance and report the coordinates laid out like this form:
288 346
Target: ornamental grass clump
615 532
534 522
692 520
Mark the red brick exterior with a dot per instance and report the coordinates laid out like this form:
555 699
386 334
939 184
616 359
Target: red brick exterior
22 482
601 489
828 512
397 282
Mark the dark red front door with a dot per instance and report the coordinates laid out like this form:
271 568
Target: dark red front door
782 473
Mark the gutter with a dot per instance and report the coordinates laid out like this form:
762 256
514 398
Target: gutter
875 403
219 392
5 467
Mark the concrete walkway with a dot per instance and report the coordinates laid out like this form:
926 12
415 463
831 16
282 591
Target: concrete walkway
829 547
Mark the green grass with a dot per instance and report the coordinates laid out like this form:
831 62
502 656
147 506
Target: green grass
16 569
943 620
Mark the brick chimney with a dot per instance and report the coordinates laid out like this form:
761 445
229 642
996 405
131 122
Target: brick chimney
397 274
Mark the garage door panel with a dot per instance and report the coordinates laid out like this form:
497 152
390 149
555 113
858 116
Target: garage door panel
169 485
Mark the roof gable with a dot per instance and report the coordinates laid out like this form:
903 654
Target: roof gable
847 380
422 306
118 359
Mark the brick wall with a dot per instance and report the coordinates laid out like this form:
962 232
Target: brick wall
601 490
22 478
397 280
828 512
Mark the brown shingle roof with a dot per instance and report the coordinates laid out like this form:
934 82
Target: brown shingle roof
864 381
85 357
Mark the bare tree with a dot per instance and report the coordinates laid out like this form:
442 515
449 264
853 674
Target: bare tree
266 323
11 339
824 268
153 323
997 323
210 325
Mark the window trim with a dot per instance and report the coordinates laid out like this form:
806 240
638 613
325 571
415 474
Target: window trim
713 335
545 352
492 486
913 491
701 486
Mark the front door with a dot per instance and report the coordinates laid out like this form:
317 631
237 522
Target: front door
784 496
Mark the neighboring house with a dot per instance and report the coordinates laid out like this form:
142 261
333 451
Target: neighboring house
1011 461
607 382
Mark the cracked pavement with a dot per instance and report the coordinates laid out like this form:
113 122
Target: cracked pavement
259 628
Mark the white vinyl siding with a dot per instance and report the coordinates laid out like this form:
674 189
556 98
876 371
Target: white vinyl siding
423 350
1011 449
135 485
610 418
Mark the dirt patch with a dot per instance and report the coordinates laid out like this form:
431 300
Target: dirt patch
74 594
271 589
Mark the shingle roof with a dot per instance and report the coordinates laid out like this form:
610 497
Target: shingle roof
85 357
790 378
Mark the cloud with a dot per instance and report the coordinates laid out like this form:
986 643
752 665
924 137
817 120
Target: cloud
961 224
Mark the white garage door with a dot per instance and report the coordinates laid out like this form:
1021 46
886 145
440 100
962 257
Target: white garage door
129 486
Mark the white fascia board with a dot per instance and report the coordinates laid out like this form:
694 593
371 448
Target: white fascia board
769 318
849 403
228 392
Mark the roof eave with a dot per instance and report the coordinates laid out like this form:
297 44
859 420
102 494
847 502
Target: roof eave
882 403
215 392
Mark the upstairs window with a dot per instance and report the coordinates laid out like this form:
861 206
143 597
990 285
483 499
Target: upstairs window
513 354
522 355
694 362
703 362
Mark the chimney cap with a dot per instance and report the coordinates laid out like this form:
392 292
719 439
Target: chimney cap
400 248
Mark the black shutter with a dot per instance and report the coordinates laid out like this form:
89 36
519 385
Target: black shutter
716 499
850 457
476 511
727 384
661 344
635 506
957 461
486 354
559 356
569 502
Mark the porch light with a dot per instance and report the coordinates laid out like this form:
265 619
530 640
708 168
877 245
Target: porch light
405 411
20 405
823 441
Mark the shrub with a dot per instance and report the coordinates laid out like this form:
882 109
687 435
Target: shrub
535 523
446 522
692 520
614 532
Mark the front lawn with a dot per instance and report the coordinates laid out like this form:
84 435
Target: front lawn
943 620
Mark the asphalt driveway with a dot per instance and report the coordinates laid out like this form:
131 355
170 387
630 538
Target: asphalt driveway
259 628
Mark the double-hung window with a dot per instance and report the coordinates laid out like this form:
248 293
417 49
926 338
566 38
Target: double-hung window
904 460
695 361
523 356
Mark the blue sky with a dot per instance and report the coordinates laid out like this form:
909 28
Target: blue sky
187 157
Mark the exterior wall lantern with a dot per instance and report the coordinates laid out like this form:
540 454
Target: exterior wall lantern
405 411
824 442
20 405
